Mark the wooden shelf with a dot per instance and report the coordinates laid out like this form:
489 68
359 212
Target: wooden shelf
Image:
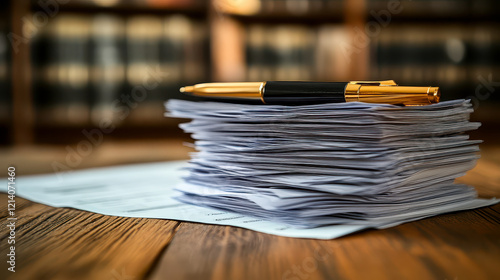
285 17
130 7
432 19
441 11
227 47
22 99
25 128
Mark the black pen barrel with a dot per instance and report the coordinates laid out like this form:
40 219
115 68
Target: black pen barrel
290 93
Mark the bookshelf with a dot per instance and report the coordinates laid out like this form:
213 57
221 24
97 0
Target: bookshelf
335 18
445 42
84 55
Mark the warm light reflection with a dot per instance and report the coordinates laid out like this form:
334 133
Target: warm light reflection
106 3
241 7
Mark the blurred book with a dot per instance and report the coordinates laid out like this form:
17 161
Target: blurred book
297 52
162 54
184 54
279 7
89 68
281 52
62 71
144 34
107 73
442 9
450 56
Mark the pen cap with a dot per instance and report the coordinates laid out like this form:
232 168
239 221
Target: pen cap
392 94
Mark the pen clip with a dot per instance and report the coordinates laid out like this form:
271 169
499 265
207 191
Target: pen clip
374 83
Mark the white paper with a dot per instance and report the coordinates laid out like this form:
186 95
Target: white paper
146 191
323 164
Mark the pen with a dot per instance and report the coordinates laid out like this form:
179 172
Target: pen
298 93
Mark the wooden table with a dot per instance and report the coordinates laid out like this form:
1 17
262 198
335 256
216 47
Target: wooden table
60 243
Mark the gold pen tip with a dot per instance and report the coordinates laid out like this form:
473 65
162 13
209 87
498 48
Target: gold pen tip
187 89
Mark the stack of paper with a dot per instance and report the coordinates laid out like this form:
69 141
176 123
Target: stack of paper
345 163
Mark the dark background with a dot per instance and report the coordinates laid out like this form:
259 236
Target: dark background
72 70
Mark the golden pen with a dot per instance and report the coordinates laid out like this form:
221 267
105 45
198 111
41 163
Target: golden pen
297 93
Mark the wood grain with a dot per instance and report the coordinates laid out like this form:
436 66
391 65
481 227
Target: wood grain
61 243
463 245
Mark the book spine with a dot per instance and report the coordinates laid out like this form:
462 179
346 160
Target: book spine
144 35
65 71
255 53
424 54
107 66
282 52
